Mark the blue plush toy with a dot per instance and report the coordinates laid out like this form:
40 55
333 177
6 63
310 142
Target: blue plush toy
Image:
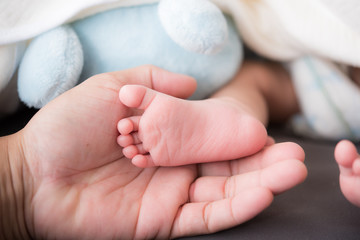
192 37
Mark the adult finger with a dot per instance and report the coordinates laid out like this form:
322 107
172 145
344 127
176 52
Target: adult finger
277 178
177 85
213 216
266 157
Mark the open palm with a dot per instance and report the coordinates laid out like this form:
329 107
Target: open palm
83 187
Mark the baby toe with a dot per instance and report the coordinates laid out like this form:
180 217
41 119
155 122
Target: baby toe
125 140
143 161
130 151
127 125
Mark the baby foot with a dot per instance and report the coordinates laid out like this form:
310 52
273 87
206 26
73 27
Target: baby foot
348 159
173 131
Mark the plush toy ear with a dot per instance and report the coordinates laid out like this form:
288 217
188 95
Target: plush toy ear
197 26
51 65
336 112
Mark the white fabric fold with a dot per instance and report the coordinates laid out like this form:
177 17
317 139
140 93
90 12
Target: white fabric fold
279 29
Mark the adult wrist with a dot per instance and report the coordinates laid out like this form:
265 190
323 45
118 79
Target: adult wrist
12 189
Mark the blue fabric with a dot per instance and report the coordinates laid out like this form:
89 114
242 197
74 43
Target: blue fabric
123 38
51 65
197 26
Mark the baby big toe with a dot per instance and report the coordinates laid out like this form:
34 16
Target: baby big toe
136 96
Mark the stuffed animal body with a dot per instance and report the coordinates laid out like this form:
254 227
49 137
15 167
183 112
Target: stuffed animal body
205 45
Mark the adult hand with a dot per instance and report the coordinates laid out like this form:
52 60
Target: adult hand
77 184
